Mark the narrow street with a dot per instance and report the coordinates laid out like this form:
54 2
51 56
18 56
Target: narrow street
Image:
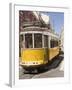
54 69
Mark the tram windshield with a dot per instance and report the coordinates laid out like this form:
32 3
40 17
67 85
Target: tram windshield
45 41
37 40
28 41
34 40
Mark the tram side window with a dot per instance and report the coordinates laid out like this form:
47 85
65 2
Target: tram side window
28 41
45 41
53 43
38 40
56 43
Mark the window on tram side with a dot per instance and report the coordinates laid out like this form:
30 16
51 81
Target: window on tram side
45 41
56 43
28 41
37 40
53 43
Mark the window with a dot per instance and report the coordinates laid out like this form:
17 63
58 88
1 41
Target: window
56 43
21 38
45 41
37 40
28 41
20 41
53 43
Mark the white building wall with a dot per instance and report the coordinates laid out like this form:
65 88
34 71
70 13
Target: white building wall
62 40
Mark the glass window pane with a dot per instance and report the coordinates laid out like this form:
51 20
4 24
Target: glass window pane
28 41
20 40
38 40
52 43
45 41
56 43
20 43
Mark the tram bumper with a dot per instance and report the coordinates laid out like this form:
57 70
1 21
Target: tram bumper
33 65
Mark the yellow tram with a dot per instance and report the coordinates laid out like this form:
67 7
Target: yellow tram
39 46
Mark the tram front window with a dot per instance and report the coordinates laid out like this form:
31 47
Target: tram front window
38 40
20 41
28 41
46 41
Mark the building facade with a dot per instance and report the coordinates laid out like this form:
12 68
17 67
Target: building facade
62 39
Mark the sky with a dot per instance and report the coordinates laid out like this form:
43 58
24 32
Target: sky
57 20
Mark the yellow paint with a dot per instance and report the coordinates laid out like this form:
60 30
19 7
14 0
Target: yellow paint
33 55
40 56
53 52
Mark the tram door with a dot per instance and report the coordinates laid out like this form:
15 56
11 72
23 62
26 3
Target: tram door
46 48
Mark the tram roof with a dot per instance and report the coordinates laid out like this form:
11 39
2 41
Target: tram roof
34 29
